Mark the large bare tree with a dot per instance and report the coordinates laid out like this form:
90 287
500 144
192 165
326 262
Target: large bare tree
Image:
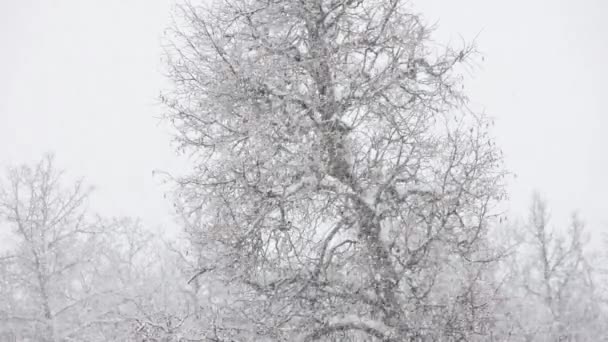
342 189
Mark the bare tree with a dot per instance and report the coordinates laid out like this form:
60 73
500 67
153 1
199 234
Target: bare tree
342 189
72 277
48 273
552 294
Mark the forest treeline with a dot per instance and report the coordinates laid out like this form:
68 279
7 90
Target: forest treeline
71 275
340 190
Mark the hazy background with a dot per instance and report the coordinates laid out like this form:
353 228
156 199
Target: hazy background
81 78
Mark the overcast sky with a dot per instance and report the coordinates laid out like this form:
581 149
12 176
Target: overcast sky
81 78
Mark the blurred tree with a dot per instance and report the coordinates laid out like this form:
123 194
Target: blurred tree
47 270
551 294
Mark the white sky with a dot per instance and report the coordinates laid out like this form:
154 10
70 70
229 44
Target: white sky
81 78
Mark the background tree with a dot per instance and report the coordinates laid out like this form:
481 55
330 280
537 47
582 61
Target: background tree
551 293
75 277
49 278
341 188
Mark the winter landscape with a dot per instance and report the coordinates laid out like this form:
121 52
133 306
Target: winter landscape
312 170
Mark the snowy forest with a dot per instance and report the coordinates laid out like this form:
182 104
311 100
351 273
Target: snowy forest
339 189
